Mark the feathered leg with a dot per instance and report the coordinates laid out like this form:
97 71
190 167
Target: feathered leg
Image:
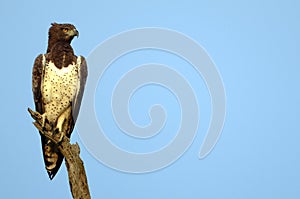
62 119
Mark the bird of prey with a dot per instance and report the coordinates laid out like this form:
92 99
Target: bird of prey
58 81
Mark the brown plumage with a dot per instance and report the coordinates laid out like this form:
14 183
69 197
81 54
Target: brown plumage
58 80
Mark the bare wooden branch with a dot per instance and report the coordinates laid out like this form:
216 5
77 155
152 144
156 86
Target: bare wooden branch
76 172
75 166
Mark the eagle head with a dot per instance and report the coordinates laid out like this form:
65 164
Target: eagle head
62 32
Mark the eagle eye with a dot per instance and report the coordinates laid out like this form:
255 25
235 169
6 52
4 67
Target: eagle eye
65 30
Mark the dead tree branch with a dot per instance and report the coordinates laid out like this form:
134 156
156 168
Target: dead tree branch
75 167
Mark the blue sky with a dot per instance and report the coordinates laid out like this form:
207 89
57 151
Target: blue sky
254 45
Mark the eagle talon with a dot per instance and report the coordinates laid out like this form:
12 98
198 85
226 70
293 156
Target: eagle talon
43 120
57 132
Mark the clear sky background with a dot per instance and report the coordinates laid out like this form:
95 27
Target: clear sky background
255 46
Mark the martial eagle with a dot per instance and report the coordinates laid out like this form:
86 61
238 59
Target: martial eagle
58 80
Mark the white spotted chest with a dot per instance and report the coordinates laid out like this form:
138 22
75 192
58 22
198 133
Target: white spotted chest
59 88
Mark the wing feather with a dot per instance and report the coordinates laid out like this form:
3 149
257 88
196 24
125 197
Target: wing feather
37 76
82 76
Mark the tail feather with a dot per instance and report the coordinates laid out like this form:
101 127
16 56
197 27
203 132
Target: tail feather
52 157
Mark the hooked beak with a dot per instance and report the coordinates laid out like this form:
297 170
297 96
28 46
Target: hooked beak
73 33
